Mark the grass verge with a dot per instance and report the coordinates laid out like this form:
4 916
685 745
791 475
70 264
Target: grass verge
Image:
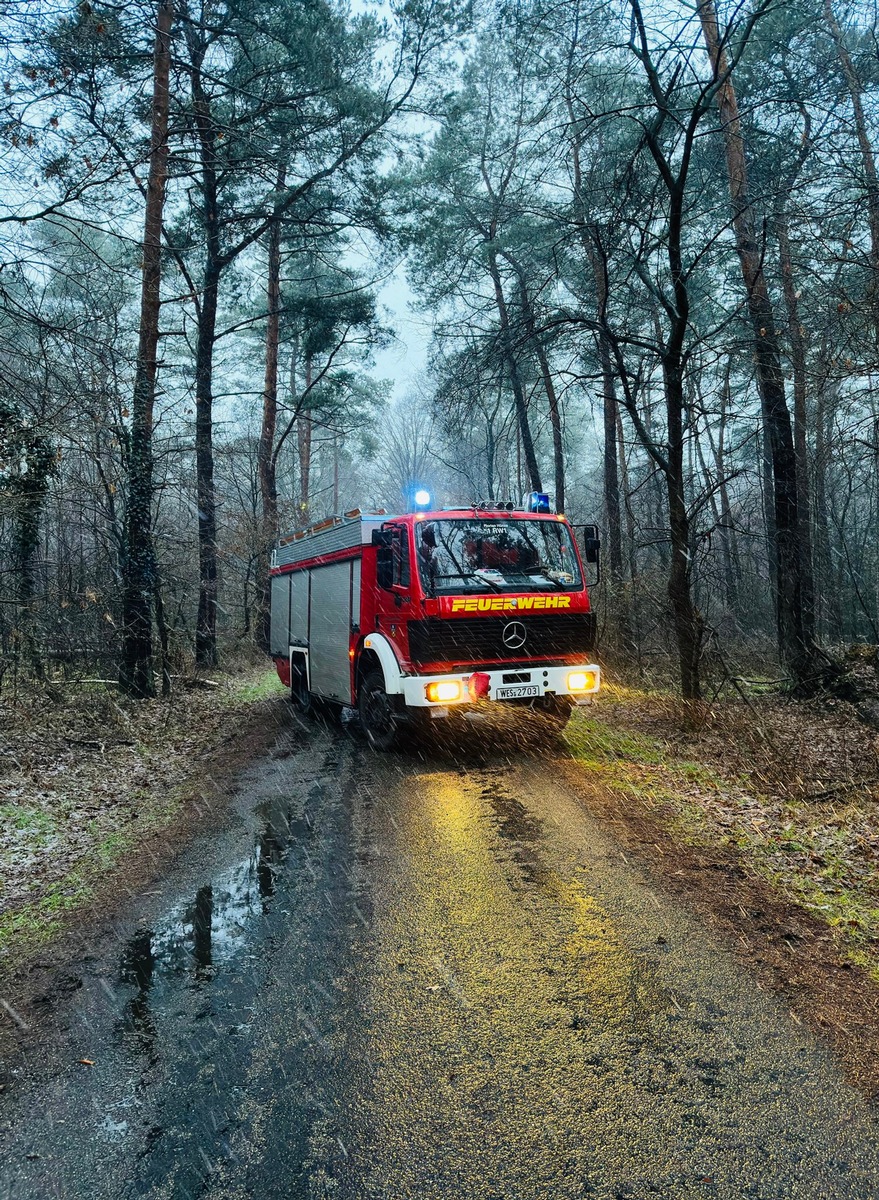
85 783
792 789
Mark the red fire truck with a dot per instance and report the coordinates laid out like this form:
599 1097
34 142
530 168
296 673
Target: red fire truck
431 615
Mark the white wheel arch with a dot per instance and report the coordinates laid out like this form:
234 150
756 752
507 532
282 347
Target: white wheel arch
378 644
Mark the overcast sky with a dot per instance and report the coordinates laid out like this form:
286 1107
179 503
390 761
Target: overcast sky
405 360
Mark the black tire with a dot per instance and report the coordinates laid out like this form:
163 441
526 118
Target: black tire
302 698
556 711
378 713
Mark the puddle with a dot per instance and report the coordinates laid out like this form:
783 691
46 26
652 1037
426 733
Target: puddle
202 935
113 1131
183 997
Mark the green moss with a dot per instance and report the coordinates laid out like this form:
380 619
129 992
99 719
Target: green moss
38 824
268 684
597 742
868 961
31 925
36 923
615 696
622 757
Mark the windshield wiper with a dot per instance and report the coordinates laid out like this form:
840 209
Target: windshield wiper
495 587
555 582
531 576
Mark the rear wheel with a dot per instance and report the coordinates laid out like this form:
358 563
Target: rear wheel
299 693
378 714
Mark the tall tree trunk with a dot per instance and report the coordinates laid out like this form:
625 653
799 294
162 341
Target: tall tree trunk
594 253
856 91
520 402
555 418
688 623
206 622
268 487
31 497
766 487
622 601
610 407
335 471
208 582
490 458
796 649
164 646
830 607
801 442
140 581
611 473
303 442
631 555
712 490
687 620
732 566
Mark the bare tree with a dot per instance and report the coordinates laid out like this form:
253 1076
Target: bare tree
796 640
140 581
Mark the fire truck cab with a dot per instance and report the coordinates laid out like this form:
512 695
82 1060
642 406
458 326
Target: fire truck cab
417 617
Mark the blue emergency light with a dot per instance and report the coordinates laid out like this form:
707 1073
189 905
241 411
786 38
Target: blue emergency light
537 502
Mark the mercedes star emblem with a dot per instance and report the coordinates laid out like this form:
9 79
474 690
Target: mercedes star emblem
514 635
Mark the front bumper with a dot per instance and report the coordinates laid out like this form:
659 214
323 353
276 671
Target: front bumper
548 680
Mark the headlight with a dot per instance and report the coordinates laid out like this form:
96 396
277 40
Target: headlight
442 693
581 681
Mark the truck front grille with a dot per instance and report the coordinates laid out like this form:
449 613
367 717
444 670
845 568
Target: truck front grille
471 640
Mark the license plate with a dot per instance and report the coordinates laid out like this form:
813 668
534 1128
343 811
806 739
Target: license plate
516 693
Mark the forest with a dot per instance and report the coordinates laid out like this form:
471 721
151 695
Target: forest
644 235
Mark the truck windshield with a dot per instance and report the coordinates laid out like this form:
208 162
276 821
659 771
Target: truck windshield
496 554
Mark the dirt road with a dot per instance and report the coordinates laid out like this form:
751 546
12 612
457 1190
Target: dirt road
424 976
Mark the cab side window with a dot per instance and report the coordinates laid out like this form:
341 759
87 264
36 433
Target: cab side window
392 564
401 559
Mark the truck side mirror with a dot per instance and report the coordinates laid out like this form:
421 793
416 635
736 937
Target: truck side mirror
387 541
591 543
592 550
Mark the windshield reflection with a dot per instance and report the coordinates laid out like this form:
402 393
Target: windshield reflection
497 555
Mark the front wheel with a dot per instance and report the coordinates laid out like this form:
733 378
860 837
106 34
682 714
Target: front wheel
378 716
556 710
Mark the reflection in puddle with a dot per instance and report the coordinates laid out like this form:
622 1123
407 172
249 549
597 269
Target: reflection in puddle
137 968
202 928
137 960
199 936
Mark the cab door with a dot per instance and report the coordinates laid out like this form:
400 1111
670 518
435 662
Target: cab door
394 580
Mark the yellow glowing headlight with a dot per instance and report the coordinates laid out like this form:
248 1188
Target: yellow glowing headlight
440 693
581 681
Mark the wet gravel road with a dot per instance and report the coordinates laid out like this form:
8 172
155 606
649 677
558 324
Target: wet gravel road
424 976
